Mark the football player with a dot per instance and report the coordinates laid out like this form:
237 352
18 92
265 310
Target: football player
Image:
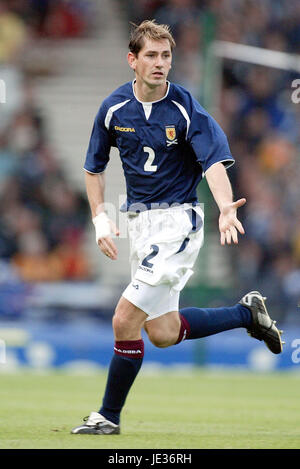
167 144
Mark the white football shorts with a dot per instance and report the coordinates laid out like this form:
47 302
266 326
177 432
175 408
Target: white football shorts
164 245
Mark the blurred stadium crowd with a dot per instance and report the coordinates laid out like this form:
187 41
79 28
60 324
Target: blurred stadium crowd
262 124
43 219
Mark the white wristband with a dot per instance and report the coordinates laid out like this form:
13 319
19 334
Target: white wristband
102 226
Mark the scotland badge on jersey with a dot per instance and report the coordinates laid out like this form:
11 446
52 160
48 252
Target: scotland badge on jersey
171 135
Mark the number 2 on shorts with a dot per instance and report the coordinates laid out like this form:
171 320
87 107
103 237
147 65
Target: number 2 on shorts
152 254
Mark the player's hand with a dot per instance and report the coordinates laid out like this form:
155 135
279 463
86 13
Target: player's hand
107 244
229 225
104 229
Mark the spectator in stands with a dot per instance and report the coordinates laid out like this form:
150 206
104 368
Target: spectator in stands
14 35
42 218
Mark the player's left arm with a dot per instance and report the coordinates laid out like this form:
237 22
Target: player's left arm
220 187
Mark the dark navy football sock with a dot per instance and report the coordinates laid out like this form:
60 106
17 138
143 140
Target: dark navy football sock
123 369
202 322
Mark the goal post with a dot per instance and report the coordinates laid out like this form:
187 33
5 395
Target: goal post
256 55
218 51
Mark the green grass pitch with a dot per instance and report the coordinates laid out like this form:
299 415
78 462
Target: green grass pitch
200 410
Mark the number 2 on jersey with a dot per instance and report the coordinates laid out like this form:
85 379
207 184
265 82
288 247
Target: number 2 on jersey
148 166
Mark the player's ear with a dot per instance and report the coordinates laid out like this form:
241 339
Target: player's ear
131 58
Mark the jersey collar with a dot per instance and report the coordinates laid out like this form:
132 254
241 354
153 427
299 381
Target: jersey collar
150 102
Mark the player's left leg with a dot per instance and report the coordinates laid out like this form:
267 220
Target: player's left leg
193 323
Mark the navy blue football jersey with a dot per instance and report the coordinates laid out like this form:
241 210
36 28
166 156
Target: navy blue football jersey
165 146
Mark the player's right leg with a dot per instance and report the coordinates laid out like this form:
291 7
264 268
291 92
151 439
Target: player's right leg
126 362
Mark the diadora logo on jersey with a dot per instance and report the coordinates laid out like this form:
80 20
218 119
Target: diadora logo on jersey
124 129
171 135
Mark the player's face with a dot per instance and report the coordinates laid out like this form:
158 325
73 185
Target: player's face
153 62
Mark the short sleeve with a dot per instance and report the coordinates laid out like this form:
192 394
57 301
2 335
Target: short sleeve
100 144
208 140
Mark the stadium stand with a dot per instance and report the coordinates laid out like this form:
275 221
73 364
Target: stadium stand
43 217
256 111
53 76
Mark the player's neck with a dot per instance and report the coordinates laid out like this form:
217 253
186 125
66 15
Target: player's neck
145 93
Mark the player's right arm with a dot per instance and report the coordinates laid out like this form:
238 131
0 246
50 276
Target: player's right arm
104 227
96 161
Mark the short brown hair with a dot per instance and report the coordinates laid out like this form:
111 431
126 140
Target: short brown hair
151 30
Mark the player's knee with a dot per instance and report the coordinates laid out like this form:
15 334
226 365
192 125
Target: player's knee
125 326
160 339
120 323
